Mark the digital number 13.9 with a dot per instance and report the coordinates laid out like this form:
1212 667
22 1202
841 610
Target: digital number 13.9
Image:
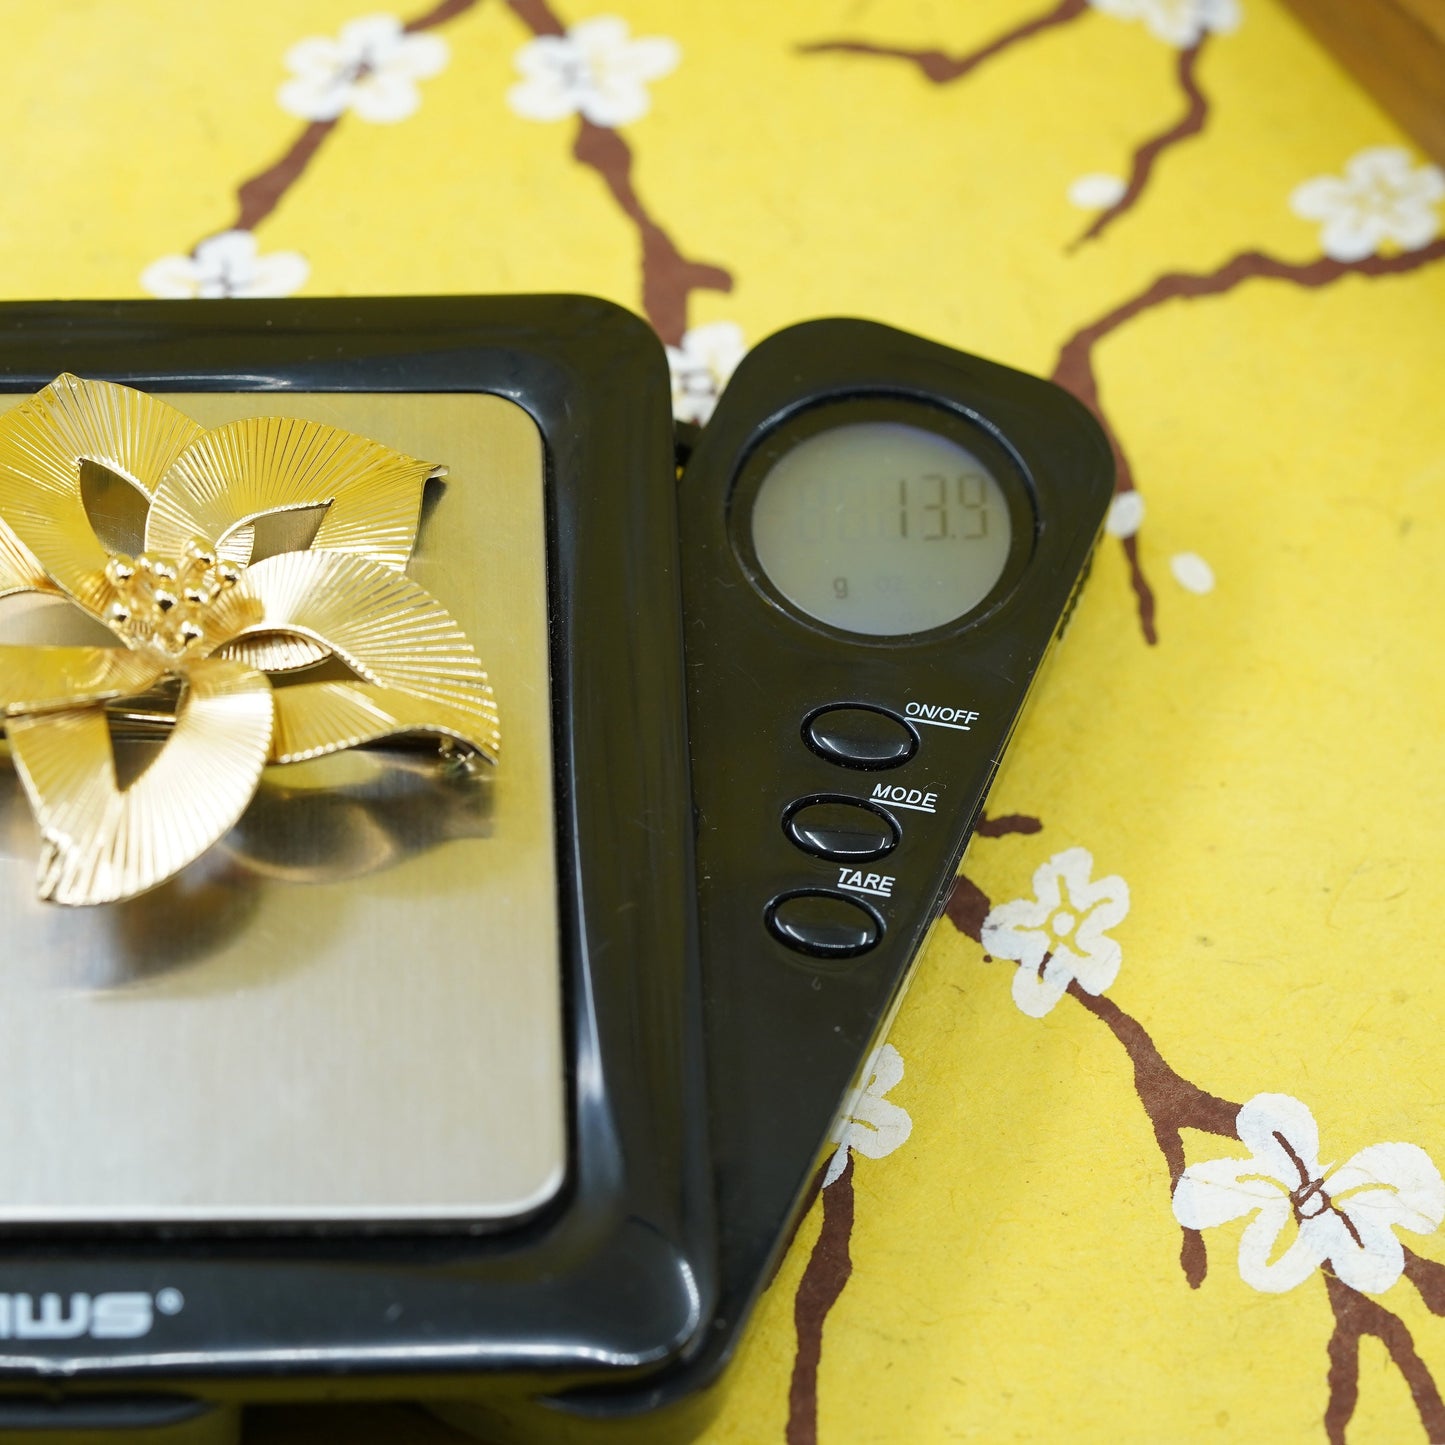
931 509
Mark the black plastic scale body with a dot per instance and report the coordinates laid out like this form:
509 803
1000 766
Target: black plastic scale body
786 712
760 807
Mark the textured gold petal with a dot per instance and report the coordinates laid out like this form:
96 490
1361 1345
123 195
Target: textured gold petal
314 718
19 570
44 679
245 469
278 652
379 622
101 843
42 444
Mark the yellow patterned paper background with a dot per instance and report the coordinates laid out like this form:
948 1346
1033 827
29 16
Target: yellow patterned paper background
1222 820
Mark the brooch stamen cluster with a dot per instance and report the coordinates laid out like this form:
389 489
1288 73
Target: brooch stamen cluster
163 604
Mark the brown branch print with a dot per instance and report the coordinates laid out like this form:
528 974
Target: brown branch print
967 907
1428 1277
1191 123
259 195
1173 1104
1075 368
1005 824
668 277
828 1270
942 68
1357 1315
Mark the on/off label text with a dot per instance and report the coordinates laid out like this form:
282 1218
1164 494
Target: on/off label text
937 715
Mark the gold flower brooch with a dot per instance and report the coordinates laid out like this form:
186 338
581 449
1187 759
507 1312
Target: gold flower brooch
197 617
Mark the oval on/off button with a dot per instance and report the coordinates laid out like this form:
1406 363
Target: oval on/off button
825 925
843 829
860 737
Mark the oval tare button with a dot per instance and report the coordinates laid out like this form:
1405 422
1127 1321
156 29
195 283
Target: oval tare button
826 925
840 828
860 737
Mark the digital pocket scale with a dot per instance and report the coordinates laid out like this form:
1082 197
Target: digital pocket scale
504 1092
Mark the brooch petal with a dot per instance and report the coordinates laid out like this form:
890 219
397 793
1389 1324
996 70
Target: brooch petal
43 442
316 718
51 679
19 569
398 637
103 843
246 469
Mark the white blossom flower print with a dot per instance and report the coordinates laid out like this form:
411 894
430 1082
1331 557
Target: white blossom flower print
1097 191
1061 933
229 264
594 71
1382 197
1192 573
371 68
701 366
872 1124
1181 23
1343 1214
1126 514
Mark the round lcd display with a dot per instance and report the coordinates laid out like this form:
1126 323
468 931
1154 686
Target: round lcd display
881 528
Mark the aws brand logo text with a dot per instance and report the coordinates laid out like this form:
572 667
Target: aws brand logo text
118 1315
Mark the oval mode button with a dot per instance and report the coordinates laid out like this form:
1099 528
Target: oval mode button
860 737
840 828
826 925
